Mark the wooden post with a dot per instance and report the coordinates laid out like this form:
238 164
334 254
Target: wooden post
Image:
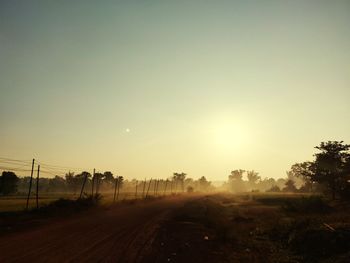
97 183
157 182
92 184
136 190
143 191
115 188
37 188
166 183
149 185
82 188
30 184
118 188
155 187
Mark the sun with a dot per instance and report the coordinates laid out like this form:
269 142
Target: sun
229 134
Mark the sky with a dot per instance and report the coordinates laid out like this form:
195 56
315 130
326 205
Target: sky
148 88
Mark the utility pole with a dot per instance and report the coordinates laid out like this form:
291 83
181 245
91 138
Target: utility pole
37 188
166 183
118 187
92 183
115 188
149 185
136 190
155 188
82 188
144 187
30 184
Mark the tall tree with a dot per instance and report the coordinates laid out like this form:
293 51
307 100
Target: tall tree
253 177
330 167
236 180
179 179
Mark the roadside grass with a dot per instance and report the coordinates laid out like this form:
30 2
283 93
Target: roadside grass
273 228
18 202
14 220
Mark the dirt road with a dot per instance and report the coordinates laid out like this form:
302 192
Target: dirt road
118 234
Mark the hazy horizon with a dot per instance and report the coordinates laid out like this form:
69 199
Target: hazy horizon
145 89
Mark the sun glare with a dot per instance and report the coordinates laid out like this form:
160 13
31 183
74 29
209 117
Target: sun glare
228 134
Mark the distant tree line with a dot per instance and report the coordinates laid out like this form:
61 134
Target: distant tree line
328 173
253 182
10 183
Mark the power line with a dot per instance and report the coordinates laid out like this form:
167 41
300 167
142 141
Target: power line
14 160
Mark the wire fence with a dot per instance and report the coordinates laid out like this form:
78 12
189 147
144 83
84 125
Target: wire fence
41 183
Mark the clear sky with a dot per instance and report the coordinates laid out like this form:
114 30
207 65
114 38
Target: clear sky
147 88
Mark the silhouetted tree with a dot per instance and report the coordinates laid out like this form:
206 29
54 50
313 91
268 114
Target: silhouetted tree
274 188
253 177
8 183
236 180
179 178
290 186
108 180
331 166
304 172
204 184
57 184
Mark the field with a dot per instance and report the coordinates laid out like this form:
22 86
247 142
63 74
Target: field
189 228
18 202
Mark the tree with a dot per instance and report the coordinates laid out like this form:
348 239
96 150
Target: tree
303 171
236 175
179 178
253 177
236 180
108 179
120 181
57 184
204 184
75 182
331 166
8 183
274 188
290 186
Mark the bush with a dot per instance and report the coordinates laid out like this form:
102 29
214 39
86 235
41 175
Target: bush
68 205
311 204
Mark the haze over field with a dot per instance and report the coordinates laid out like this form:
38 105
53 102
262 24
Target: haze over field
153 87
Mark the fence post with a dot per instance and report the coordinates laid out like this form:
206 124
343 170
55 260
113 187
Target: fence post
118 188
82 188
143 191
92 184
136 190
37 188
166 183
30 184
149 185
115 188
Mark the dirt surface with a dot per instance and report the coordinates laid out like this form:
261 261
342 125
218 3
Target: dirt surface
118 234
206 229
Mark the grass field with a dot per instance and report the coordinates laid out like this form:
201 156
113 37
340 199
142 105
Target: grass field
18 202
